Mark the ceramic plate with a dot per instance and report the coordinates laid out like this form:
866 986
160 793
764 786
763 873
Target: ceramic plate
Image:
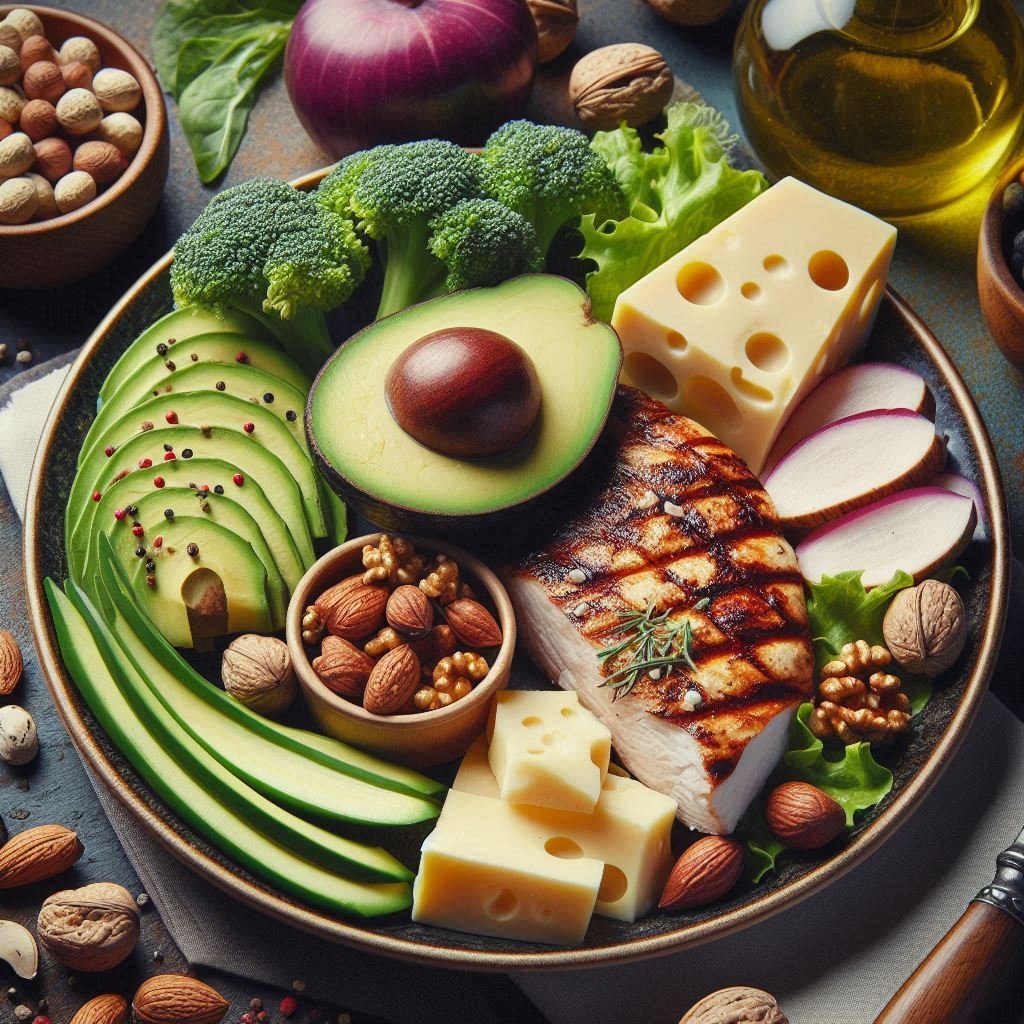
899 336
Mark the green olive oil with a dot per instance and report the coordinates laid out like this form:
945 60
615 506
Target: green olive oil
898 106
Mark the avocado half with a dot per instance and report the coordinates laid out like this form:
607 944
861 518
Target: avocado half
398 483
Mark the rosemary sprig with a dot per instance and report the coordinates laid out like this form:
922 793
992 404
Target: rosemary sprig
651 643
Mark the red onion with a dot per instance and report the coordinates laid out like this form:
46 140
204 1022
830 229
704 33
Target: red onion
360 72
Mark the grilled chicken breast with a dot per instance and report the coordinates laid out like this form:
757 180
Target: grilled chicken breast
677 525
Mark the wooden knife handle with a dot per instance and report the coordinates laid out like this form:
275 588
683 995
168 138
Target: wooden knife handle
956 978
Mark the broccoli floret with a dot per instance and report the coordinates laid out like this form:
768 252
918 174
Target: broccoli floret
276 253
393 193
481 242
550 176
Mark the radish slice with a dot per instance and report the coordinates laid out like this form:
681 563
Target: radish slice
968 488
916 531
853 462
853 389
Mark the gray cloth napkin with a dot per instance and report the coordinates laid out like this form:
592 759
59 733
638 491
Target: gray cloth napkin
837 957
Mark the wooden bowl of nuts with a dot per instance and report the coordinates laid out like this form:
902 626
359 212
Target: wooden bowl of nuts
399 643
83 146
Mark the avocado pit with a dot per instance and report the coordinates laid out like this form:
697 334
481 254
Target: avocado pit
466 392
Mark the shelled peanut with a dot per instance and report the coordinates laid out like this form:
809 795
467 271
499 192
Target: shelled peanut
406 635
68 126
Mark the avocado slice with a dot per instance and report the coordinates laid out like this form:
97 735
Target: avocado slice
168 331
297 857
212 408
250 463
162 533
395 481
242 740
180 475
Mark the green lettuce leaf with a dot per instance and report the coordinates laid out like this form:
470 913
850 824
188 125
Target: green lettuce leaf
676 193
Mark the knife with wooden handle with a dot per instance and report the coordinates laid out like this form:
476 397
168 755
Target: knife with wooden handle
951 985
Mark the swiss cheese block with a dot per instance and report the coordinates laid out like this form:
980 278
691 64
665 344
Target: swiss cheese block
736 328
547 750
485 870
628 832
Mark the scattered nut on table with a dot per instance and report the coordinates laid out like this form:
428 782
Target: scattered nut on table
19 743
11 664
735 1005
89 929
556 22
257 671
925 627
18 948
625 82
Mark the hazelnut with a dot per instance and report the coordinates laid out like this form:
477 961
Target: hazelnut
102 161
16 155
10 66
79 112
46 207
17 201
116 90
121 130
74 190
10 36
53 159
34 49
38 119
5 129
77 75
82 50
26 23
11 102
43 81
626 82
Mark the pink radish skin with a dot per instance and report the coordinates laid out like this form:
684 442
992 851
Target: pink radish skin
852 462
968 488
916 531
863 387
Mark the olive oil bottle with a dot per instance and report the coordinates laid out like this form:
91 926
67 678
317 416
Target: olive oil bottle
898 106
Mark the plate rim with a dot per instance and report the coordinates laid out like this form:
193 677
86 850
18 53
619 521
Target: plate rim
282 908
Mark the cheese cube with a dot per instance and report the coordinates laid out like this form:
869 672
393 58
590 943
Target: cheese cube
629 832
485 870
548 751
736 328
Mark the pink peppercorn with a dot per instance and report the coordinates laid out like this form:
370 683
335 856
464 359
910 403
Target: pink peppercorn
289 1005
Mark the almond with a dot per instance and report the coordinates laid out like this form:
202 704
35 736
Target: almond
352 609
343 667
706 871
408 611
394 679
10 663
38 853
474 625
105 1009
178 999
802 816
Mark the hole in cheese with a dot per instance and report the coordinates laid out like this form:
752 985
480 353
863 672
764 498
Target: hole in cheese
676 341
567 712
750 290
531 720
613 884
650 375
502 905
776 264
707 402
700 283
748 387
564 847
767 352
535 750
828 270
549 739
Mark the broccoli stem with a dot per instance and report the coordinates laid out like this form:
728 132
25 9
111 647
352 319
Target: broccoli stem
411 273
305 337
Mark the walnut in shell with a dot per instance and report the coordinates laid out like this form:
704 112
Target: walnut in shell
925 627
257 671
89 929
556 22
626 82
735 1005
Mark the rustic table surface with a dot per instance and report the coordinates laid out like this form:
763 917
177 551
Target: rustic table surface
933 269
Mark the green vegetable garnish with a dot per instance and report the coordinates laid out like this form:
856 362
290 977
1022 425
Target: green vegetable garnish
676 193
212 57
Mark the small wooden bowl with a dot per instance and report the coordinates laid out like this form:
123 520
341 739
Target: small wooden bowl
1002 298
427 738
43 254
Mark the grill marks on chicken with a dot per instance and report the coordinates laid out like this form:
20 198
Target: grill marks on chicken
678 522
